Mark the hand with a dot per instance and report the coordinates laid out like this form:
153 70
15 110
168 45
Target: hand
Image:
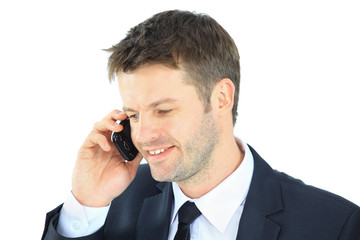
101 173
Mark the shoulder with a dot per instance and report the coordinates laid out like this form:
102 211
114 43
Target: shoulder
295 190
322 212
143 185
144 174
302 210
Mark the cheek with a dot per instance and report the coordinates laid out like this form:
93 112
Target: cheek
182 128
133 137
175 130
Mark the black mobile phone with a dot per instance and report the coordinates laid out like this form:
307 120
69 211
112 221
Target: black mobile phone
123 142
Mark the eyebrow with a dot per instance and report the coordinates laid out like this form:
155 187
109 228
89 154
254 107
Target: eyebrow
152 105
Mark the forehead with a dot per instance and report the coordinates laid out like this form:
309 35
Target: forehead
151 83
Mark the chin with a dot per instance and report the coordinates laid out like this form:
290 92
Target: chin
161 178
159 175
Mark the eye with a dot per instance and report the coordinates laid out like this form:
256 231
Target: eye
165 111
134 116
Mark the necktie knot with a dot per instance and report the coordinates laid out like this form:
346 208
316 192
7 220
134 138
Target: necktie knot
187 214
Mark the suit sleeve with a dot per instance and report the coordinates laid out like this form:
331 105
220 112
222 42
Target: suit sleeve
50 232
351 229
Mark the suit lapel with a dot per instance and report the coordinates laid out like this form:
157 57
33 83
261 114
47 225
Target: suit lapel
255 226
263 200
154 218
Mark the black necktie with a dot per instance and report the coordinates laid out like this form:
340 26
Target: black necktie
187 214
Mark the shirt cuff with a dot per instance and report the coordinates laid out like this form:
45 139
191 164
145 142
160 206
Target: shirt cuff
77 220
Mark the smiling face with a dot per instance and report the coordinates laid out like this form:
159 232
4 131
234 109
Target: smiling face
168 123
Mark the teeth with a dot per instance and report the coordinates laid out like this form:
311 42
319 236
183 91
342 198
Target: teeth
157 152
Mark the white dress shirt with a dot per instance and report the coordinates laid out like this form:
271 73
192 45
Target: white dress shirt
77 220
221 208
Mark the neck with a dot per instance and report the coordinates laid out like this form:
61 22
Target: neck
224 162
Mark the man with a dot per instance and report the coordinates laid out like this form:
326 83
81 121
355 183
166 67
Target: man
179 77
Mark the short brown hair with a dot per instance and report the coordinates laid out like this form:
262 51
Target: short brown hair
177 39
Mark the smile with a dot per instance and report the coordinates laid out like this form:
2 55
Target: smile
157 152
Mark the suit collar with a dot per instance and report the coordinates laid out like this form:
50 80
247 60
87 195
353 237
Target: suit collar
154 217
263 200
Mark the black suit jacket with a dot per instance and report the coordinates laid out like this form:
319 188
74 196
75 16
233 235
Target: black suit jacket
277 207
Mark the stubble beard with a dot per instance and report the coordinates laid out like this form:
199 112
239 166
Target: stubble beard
196 161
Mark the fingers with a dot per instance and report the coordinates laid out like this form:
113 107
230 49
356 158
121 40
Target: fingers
108 123
115 115
101 132
95 139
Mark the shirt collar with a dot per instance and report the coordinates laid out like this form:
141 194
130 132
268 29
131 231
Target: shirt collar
227 198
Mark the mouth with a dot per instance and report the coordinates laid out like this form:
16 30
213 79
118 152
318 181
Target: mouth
158 153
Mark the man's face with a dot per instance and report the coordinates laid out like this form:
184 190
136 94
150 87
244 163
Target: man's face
168 123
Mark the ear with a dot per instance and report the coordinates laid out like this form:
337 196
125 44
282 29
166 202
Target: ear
223 97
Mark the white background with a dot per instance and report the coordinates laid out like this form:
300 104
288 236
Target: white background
299 99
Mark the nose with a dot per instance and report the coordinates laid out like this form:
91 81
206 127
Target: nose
146 130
